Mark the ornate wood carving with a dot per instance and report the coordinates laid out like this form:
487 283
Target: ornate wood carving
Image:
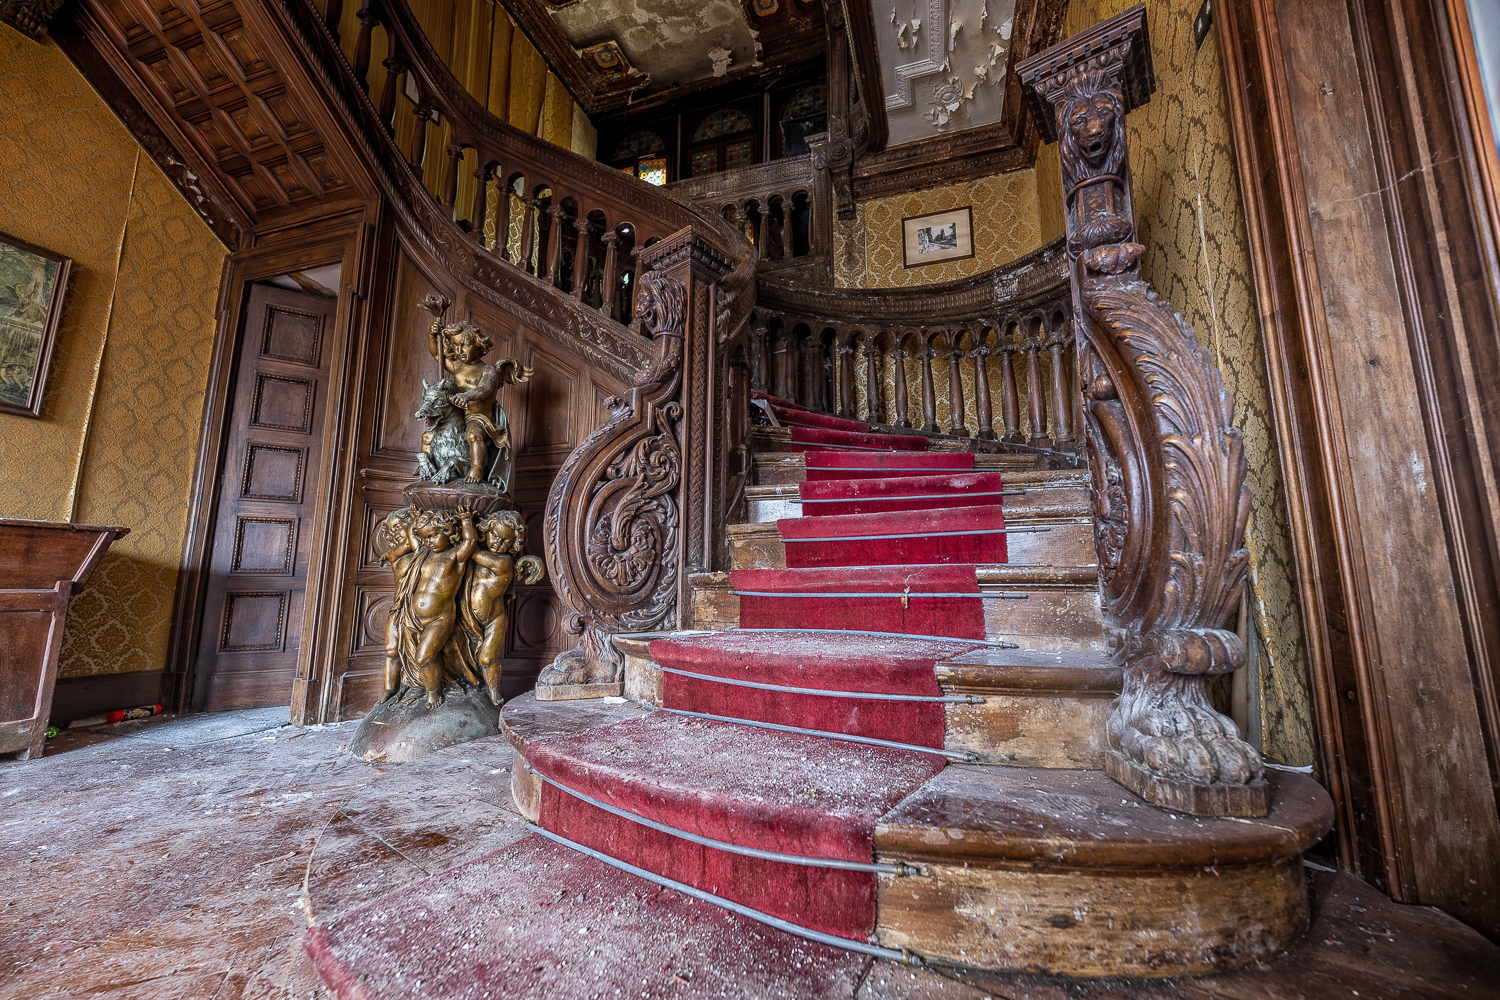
1168 468
29 17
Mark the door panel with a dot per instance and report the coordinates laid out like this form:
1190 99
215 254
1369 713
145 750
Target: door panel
247 652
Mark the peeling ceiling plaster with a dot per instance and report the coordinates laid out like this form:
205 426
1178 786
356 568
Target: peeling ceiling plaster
670 40
942 64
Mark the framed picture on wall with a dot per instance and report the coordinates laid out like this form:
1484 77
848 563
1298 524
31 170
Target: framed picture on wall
939 237
32 284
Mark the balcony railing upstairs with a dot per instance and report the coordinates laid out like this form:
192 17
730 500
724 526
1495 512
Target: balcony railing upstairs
950 358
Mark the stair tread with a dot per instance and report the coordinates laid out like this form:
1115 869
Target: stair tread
1030 671
813 659
1063 818
776 791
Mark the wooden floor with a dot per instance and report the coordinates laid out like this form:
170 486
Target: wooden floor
168 860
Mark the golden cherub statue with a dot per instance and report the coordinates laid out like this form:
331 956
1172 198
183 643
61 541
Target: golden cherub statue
466 418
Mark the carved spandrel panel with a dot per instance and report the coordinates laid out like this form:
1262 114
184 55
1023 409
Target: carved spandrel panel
549 404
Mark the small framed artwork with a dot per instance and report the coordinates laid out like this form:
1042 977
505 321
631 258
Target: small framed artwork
939 237
32 284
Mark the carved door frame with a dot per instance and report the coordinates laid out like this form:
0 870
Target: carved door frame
1414 89
346 239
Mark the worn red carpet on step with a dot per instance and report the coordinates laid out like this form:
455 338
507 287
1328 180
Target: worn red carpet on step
859 663
904 538
854 597
775 791
827 497
876 464
806 438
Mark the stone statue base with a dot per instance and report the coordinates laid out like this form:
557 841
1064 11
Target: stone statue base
404 729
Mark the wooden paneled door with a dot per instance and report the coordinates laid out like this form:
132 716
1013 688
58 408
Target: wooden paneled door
247 651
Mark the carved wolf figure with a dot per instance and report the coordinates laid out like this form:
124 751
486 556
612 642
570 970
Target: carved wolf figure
445 452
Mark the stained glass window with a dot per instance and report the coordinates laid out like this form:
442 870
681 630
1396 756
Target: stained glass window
705 162
725 121
653 171
642 143
739 154
807 101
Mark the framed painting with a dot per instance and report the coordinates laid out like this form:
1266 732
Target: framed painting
32 284
939 237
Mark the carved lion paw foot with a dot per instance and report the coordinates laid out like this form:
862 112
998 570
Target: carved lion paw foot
1187 741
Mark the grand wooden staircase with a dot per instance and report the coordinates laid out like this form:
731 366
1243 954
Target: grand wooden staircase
852 660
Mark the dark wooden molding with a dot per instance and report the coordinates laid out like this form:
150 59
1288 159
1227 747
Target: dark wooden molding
1432 204
859 16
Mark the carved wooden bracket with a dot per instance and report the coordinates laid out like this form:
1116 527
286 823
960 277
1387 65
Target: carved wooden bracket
626 517
1168 481
29 17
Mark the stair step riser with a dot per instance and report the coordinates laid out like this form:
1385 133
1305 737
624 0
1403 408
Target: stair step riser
772 503
1030 730
1047 618
1068 543
1149 924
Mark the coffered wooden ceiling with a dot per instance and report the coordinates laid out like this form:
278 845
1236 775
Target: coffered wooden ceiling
617 53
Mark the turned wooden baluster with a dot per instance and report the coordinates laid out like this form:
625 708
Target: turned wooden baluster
581 258
554 238
929 394
1009 405
762 243
611 273
846 376
450 183
395 69
902 404
780 365
333 13
758 355
956 407
367 21
424 113
481 208
1062 410
528 225
983 416
872 379
1036 400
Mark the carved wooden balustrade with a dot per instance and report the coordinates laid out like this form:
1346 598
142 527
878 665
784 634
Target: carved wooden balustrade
571 222
777 206
1000 343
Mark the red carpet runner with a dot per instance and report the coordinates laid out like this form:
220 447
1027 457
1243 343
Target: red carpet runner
892 550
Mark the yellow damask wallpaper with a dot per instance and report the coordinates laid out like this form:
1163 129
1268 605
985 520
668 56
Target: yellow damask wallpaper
1189 218
118 436
867 250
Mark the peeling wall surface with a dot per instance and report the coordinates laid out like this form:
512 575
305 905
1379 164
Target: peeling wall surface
669 40
1191 222
942 64
117 439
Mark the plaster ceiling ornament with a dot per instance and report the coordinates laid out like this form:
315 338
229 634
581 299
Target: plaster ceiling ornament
961 43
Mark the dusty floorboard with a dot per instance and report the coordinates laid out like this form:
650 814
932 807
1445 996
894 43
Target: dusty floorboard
168 859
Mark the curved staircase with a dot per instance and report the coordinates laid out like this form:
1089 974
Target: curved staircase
898 745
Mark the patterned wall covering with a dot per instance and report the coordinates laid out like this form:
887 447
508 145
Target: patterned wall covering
867 250
119 430
1189 214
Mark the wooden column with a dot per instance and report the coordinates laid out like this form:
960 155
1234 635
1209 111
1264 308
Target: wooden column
758 357
611 273
395 69
956 407
845 377
929 394
1062 396
581 258
367 21
528 226
898 358
419 137
1009 404
983 415
481 209
455 153
554 242
872 379
1036 400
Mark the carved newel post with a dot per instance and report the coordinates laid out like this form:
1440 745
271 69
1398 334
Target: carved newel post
627 515
1168 469
455 552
